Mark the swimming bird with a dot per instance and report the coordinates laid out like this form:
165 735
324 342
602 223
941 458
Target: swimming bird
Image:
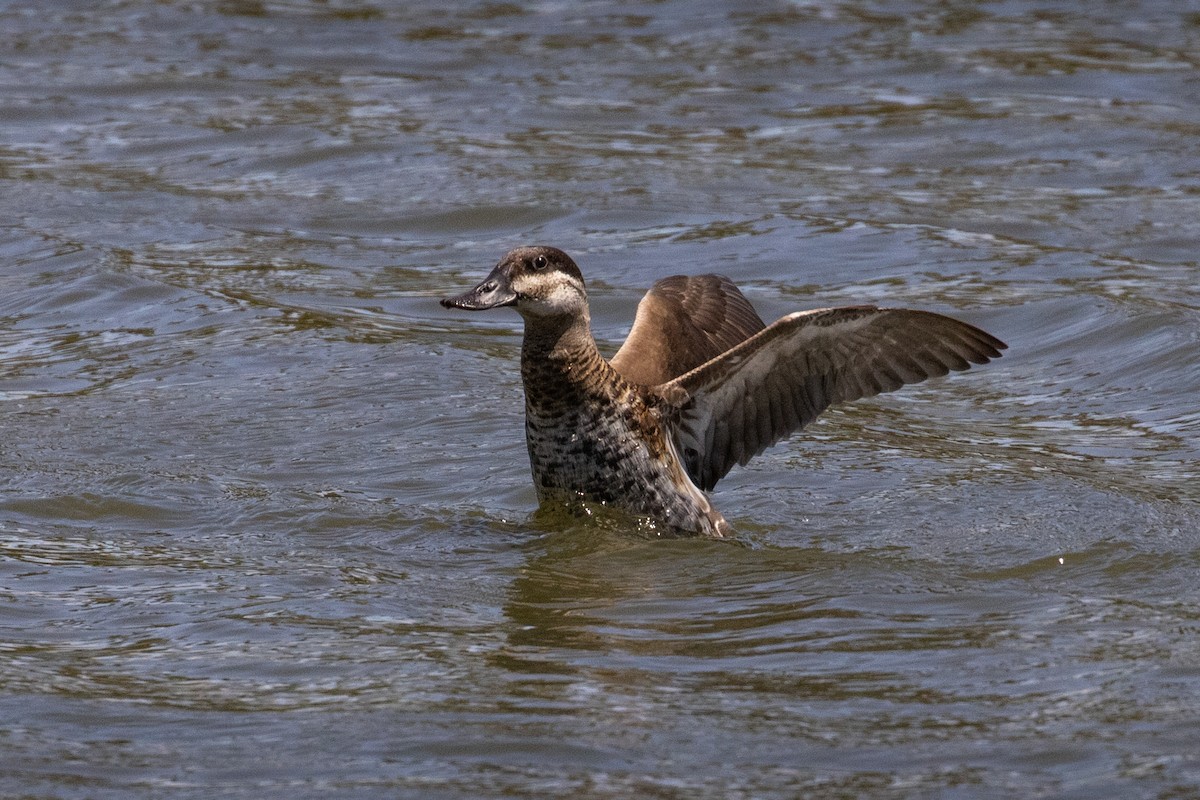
700 384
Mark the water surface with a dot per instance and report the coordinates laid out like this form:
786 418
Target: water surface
265 517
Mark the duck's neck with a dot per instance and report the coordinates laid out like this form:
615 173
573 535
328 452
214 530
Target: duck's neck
560 363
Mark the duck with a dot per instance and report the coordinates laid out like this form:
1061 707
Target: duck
700 384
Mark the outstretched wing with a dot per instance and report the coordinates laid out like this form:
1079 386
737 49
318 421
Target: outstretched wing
773 384
682 322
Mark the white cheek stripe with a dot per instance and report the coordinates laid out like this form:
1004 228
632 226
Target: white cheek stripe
565 294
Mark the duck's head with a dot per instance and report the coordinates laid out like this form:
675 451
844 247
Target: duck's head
538 281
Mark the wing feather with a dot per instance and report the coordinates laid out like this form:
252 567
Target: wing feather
682 322
776 382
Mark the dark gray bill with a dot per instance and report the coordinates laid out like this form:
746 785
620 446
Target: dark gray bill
492 293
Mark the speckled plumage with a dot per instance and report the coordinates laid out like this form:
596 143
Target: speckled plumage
594 436
700 384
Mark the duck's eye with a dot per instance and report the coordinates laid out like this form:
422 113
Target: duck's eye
540 263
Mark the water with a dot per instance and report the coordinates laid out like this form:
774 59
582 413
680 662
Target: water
265 516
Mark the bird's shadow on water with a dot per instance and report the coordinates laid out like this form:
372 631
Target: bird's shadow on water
601 583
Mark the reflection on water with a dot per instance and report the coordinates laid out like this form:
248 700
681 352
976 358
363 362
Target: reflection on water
260 494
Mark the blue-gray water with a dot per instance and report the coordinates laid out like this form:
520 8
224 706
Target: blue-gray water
265 513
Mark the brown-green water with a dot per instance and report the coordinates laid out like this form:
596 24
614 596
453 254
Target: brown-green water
265 513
